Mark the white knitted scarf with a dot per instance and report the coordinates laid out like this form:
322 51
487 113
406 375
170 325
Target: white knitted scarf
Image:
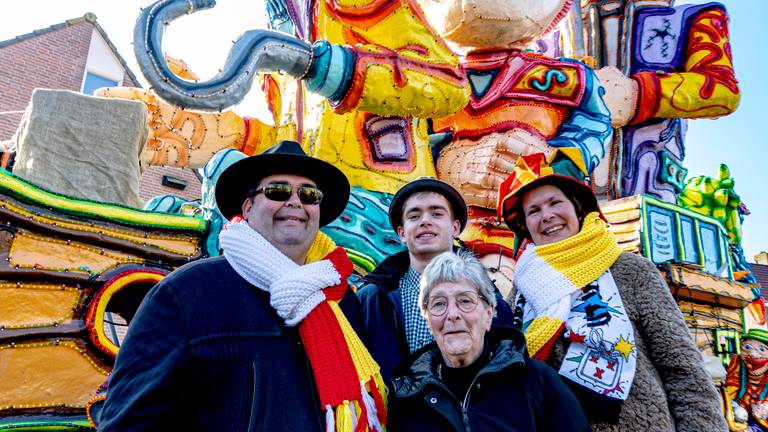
548 292
602 355
294 290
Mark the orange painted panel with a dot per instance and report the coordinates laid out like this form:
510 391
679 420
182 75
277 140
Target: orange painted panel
36 305
28 250
42 375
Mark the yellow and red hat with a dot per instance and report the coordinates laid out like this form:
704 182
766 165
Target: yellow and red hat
564 168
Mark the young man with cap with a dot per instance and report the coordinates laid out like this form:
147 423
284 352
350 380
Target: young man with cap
256 339
427 215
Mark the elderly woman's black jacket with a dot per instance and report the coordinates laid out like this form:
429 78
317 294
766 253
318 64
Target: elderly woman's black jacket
510 393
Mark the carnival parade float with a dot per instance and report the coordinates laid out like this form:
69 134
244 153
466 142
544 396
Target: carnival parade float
77 255
389 91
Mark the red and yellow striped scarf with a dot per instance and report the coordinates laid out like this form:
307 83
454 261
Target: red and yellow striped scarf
348 380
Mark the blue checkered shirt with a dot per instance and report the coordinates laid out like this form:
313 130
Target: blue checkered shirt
416 330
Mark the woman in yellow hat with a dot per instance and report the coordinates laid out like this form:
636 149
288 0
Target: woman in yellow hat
604 318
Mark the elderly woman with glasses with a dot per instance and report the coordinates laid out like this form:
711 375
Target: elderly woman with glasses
472 377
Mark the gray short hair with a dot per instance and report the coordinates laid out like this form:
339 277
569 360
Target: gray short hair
456 267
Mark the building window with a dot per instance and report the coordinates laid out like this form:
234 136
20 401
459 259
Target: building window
174 182
710 243
94 82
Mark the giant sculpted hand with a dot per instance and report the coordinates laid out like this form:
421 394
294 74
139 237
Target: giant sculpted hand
477 168
620 95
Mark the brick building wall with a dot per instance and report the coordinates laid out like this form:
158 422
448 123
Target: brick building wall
27 64
128 81
56 57
150 184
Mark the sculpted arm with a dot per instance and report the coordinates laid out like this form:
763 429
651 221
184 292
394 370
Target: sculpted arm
378 56
391 63
704 87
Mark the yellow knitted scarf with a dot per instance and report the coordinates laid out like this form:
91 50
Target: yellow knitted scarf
548 276
585 256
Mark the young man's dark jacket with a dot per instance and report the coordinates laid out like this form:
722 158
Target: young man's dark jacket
382 309
511 392
206 351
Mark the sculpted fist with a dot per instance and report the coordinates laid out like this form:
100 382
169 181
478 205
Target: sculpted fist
477 168
620 95
760 410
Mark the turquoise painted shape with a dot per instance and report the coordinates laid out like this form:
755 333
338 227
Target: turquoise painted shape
222 160
364 227
551 76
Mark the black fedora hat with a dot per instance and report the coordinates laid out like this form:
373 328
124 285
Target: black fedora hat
427 184
285 157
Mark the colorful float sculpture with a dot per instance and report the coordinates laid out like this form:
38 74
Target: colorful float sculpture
356 82
746 388
660 64
663 64
380 72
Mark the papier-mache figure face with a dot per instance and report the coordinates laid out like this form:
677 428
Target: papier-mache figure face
755 355
482 24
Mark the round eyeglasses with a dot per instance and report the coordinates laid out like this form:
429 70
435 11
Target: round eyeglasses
466 302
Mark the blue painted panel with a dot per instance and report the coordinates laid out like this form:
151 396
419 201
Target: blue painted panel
688 235
662 235
710 244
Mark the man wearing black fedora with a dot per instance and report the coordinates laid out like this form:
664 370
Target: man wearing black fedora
258 338
428 215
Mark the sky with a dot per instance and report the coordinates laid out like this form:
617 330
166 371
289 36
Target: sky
203 40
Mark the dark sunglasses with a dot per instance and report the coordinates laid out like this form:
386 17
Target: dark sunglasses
308 195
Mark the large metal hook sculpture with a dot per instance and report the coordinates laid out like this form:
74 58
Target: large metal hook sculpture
253 52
